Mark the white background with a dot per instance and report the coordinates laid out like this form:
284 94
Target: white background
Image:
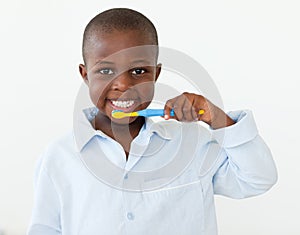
250 48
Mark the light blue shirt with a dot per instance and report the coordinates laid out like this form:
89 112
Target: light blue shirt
85 186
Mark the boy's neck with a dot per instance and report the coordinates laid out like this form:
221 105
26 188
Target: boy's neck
122 133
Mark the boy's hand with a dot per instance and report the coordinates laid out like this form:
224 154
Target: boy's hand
186 108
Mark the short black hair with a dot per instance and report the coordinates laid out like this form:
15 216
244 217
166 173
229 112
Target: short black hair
120 19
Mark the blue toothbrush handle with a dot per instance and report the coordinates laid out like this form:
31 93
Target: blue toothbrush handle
153 112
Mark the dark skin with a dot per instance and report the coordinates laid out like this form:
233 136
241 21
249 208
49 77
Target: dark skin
187 105
122 78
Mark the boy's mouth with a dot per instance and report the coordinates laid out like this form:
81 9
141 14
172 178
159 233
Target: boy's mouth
124 105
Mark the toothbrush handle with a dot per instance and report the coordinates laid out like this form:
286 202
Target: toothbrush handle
153 112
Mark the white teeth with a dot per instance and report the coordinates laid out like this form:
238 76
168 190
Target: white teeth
123 104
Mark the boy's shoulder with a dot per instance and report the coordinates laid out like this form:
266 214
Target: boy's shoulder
62 143
60 150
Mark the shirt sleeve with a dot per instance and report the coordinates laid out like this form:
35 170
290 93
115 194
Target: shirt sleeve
245 166
46 210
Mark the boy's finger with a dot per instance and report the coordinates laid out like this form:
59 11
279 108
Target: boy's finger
187 109
178 108
196 108
195 113
167 109
205 107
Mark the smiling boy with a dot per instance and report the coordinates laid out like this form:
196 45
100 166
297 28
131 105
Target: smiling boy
123 81
120 69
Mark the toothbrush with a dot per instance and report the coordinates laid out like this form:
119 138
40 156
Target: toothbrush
146 113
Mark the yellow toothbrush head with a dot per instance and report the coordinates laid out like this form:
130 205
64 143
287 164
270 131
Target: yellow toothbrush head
120 114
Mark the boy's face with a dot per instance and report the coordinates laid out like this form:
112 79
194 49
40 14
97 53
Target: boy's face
120 72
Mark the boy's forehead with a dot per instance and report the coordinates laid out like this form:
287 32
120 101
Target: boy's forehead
132 36
119 44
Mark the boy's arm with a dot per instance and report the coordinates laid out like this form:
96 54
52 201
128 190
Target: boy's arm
245 166
46 210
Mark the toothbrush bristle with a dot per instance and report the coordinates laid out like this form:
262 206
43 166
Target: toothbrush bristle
120 114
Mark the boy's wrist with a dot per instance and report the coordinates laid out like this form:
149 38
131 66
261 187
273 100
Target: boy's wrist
221 121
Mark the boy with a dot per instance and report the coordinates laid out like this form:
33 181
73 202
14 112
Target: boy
120 70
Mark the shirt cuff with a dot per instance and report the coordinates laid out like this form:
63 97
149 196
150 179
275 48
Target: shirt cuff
244 130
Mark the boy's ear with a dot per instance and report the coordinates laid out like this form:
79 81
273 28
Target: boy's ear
158 69
83 73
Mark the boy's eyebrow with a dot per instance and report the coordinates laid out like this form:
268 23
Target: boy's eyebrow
104 62
145 61
142 62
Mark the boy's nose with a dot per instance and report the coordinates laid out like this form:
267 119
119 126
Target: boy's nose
122 82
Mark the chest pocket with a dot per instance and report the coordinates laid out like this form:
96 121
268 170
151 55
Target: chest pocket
178 203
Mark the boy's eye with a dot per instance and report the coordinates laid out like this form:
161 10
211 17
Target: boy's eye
106 71
138 71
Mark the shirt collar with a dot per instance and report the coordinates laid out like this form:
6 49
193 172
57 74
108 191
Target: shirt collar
158 128
84 130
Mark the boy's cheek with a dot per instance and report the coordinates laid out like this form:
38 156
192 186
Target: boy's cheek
146 91
97 95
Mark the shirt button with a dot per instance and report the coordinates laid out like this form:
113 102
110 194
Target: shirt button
130 216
